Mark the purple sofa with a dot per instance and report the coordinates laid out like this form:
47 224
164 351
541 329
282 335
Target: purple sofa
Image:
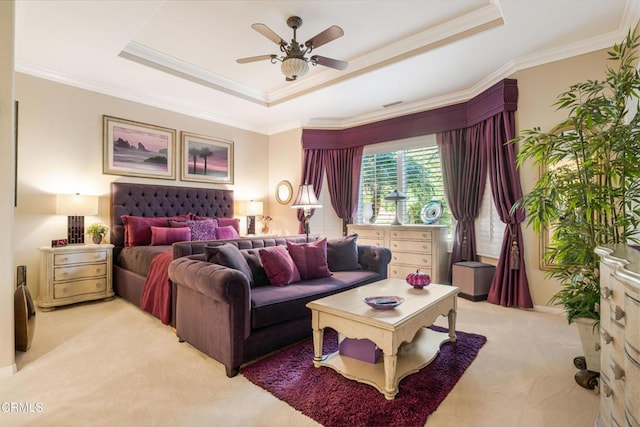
219 312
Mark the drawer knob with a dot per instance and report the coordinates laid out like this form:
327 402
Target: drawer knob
606 337
618 372
619 313
607 292
97 285
64 259
607 390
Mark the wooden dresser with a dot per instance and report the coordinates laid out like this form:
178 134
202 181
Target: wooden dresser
73 274
412 247
619 336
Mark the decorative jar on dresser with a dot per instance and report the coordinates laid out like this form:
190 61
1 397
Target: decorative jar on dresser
74 273
619 336
413 247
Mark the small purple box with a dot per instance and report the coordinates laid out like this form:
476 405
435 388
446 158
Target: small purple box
363 349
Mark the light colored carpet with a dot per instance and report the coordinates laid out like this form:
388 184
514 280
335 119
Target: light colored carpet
108 364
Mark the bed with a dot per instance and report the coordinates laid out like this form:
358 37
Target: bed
132 263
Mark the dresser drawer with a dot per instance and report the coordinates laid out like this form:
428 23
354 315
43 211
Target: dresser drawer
419 260
79 257
79 272
370 241
423 247
79 287
368 233
411 234
401 271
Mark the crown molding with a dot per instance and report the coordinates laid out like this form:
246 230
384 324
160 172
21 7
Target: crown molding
141 98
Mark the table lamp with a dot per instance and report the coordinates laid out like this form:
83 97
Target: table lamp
306 200
252 209
397 196
76 207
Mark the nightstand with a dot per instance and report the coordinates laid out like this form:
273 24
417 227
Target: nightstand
74 273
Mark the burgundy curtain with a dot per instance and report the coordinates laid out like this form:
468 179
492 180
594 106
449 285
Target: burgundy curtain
312 173
343 179
509 286
464 175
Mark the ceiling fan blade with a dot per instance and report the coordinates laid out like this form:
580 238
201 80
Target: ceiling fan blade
268 33
330 34
330 62
255 58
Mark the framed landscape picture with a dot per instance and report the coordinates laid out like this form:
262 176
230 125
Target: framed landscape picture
138 149
206 159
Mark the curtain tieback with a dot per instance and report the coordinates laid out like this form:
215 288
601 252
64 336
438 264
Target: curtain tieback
514 255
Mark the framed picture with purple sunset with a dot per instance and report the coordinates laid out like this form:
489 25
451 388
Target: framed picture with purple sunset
138 149
206 159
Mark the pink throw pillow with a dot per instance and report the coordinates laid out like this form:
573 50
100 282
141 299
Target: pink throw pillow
279 266
200 230
310 258
137 229
167 235
227 232
234 222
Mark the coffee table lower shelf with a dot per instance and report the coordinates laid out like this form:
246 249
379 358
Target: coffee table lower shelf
411 358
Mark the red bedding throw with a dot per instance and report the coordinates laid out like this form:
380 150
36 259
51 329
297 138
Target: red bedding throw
156 295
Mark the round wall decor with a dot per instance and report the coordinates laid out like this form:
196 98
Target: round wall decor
431 212
284 192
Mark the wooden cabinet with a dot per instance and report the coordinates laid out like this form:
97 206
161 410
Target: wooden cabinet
74 273
412 247
619 336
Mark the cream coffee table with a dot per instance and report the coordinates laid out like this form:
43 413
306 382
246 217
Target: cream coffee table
400 332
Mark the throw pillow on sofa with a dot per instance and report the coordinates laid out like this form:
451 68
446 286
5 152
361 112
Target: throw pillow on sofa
310 258
260 277
342 253
280 268
230 256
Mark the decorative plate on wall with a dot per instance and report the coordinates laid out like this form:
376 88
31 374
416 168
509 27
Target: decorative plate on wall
431 212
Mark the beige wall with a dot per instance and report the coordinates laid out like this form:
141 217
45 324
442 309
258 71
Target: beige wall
7 278
60 151
538 88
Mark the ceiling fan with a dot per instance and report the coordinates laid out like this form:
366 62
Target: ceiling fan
294 61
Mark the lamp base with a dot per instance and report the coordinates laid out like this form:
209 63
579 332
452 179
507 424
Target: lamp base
251 224
75 229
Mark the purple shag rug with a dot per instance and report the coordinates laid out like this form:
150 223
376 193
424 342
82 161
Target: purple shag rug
332 400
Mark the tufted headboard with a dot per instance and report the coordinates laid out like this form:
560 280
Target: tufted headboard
158 201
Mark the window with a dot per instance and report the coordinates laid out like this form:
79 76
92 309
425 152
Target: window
411 166
489 227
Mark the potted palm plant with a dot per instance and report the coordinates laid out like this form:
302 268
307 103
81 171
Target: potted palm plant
588 192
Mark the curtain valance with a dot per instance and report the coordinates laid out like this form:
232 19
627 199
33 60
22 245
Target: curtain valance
503 96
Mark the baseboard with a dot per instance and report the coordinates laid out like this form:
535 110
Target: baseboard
473 298
7 371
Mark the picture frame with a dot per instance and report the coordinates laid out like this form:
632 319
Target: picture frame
206 159
138 149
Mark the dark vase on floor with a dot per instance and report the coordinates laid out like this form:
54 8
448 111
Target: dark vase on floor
25 312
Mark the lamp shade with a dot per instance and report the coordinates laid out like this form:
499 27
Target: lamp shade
76 204
254 208
306 198
294 67
395 195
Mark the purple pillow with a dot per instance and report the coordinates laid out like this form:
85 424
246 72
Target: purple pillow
137 229
342 253
168 235
234 222
200 230
279 266
227 232
310 258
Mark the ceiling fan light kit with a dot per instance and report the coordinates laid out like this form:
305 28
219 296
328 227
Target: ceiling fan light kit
294 61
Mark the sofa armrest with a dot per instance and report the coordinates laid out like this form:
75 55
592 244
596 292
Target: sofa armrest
374 258
222 284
